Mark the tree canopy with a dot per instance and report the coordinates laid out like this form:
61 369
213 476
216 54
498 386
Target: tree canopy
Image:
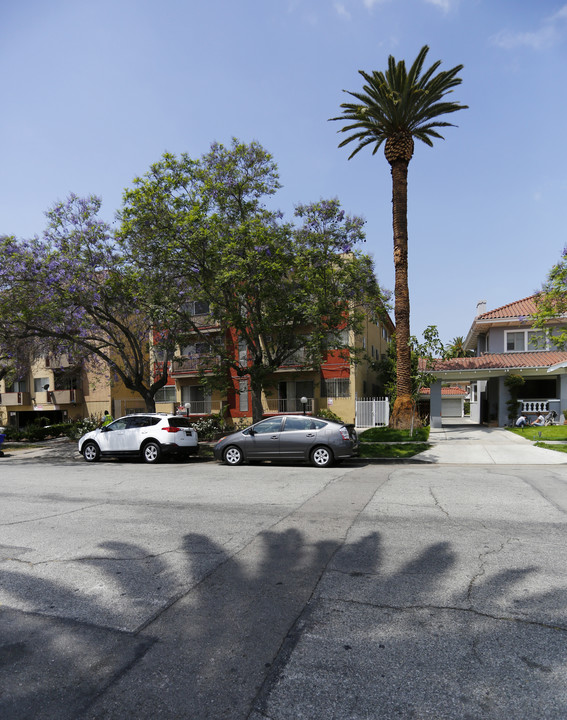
192 232
280 289
71 292
551 301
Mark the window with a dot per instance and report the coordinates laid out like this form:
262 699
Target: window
135 422
199 399
298 423
271 425
165 394
335 387
537 340
242 353
116 425
64 381
522 340
198 307
243 395
474 392
338 339
18 386
40 383
515 342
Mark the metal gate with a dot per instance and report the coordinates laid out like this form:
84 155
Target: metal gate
371 412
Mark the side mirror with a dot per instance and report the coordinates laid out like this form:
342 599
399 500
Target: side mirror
252 431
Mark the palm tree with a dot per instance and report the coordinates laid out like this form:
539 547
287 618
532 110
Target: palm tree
457 348
394 108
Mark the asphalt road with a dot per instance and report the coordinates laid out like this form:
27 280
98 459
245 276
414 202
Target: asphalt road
196 591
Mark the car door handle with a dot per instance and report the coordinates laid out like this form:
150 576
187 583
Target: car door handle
274 437
310 435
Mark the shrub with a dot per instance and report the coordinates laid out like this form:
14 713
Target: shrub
326 414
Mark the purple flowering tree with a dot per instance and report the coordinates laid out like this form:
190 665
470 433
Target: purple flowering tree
72 292
200 231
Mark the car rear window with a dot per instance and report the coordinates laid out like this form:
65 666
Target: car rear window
181 422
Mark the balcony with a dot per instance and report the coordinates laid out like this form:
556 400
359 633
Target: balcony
298 358
204 407
194 364
287 405
58 397
11 399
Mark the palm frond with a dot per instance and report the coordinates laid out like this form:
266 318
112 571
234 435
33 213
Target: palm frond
400 101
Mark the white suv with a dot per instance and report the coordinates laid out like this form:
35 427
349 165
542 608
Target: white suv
148 435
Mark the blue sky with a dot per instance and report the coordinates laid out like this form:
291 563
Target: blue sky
94 92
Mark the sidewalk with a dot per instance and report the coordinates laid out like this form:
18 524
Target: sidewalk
461 442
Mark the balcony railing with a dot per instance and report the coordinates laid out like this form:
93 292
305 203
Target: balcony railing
15 398
194 364
58 397
539 406
298 358
203 407
287 405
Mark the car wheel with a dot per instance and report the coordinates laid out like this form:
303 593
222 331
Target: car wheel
233 455
321 457
91 452
151 452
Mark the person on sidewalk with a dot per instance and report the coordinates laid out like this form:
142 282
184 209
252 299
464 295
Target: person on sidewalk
107 419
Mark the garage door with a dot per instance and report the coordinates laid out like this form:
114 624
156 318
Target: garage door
451 407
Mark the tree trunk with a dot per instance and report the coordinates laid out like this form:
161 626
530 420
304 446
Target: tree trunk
150 402
256 393
404 409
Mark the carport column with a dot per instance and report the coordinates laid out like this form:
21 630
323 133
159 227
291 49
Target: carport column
435 404
562 394
503 397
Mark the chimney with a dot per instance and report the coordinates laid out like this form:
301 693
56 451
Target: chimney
480 307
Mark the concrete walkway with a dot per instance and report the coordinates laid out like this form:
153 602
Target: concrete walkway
461 442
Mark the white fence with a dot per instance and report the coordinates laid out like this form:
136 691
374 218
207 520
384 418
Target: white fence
371 412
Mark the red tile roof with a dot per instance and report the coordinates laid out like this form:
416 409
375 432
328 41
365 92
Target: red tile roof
520 308
509 361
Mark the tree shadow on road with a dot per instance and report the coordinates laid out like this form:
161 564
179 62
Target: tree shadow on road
287 624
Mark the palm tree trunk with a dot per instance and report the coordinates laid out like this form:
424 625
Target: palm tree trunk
403 410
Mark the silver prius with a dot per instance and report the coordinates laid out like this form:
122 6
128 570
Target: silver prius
289 437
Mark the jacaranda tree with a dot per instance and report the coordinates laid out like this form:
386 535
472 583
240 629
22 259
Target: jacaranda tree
393 109
72 292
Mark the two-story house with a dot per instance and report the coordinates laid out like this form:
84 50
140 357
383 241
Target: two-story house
504 342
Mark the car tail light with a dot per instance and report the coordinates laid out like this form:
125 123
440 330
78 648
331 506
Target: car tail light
344 432
172 429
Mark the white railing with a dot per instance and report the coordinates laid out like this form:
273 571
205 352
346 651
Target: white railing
288 405
371 412
534 406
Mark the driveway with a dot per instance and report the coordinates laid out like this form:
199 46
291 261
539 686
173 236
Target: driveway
461 442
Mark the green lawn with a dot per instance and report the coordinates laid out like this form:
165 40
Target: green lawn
391 450
548 446
551 432
386 434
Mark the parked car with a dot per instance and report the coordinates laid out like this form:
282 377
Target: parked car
289 437
147 435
